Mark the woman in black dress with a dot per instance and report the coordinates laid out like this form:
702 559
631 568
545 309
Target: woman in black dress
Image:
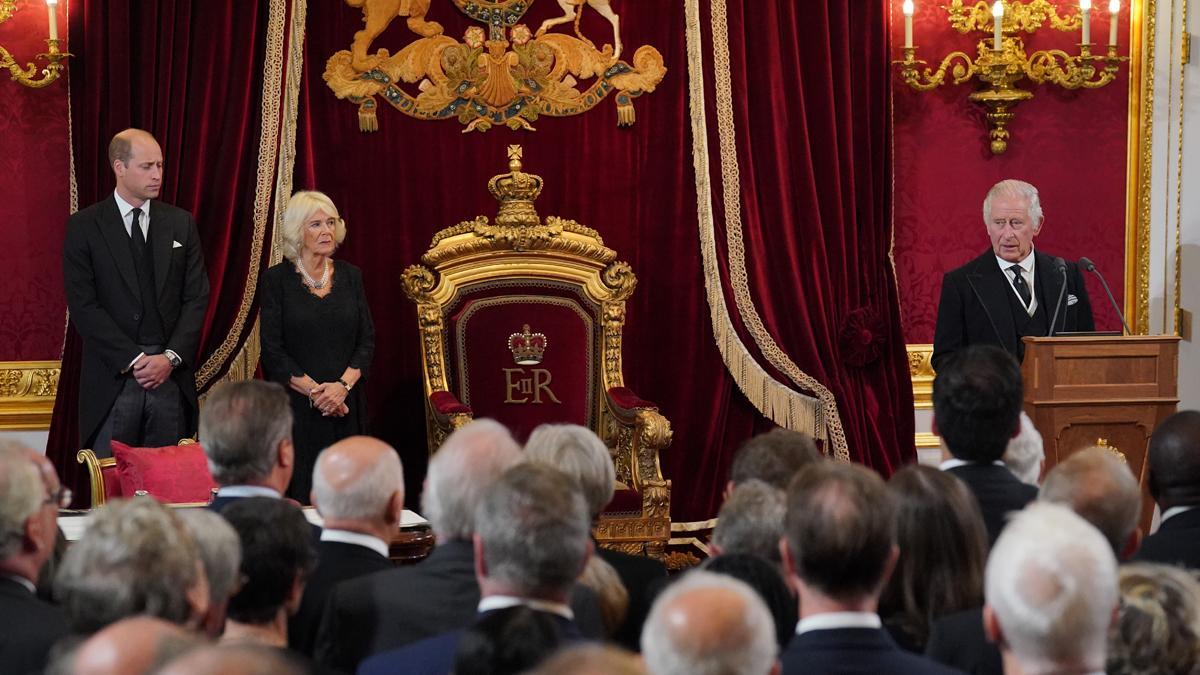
317 333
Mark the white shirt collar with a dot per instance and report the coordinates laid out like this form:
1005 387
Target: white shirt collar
832 620
1172 512
125 207
247 491
1026 264
492 602
954 463
347 537
23 581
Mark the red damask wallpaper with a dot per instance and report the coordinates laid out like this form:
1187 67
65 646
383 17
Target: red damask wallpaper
35 192
1070 144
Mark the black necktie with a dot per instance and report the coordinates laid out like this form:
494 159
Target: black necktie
1020 285
135 232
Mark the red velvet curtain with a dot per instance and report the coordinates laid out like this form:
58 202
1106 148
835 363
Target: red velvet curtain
191 73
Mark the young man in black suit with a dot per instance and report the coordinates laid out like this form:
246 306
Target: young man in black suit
1174 480
358 488
839 549
1010 291
976 410
136 288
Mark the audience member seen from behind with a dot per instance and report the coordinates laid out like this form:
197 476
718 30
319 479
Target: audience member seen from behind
839 549
591 659
943 550
1025 455
1051 589
221 556
28 509
277 555
765 579
976 410
773 458
247 432
532 540
138 645
1157 631
507 642
578 452
1101 489
135 558
709 623
1174 482
236 659
751 521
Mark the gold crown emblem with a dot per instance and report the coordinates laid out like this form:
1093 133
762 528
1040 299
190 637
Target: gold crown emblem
527 348
516 191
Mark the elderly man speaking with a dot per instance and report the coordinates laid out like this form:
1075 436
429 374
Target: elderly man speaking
1011 291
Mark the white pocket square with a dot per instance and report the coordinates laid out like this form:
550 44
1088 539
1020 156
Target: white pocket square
175 244
1071 299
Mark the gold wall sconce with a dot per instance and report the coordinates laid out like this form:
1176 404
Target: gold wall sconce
54 58
1001 62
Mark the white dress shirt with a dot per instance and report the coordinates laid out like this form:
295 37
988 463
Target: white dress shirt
247 491
126 210
505 601
358 538
834 620
1027 269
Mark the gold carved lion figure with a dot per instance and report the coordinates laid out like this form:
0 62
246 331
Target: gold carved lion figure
377 15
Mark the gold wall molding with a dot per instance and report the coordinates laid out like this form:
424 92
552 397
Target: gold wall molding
928 440
1140 164
27 390
921 370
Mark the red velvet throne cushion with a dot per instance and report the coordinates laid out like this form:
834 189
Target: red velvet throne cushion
174 474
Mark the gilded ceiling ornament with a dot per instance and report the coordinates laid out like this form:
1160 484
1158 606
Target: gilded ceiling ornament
505 75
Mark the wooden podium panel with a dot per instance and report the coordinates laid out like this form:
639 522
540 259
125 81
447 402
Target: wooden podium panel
1110 391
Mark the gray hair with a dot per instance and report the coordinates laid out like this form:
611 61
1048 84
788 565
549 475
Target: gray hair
219 548
1051 581
1098 486
1158 627
535 531
751 520
469 460
363 499
1025 453
738 640
299 209
578 452
22 493
1014 188
241 427
135 558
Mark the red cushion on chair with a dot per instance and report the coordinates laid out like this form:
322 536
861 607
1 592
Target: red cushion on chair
446 403
624 502
173 474
624 397
112 482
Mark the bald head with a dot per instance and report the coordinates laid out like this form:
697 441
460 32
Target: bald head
136 645
1174 458
234 660
136 161
709 623
358 483
1098 486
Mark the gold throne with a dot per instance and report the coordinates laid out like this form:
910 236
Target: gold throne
521 321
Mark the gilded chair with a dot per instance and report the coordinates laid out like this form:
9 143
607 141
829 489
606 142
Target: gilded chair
521 321
177 475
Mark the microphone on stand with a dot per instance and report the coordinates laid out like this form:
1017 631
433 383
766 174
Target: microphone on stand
1091 267
1060 266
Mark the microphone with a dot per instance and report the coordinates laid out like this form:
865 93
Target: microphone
1091 267
1060 266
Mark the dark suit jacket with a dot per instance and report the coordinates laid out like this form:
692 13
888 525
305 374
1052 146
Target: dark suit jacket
957 640
386 610
435 655
998 492
105 301
1177 542
31 627
218 504
975 308
638 574
336 562
852 651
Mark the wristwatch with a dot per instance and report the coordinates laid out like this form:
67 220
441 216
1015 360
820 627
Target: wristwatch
343 383
173 358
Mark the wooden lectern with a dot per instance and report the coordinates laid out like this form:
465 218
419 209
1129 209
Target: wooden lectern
1110 391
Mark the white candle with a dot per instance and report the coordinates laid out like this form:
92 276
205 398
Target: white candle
908 12
997 15
51 6
1114 11
1085 8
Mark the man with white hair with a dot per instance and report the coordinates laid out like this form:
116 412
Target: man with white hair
751 521
1051 592
1010 291
358 488
1025 455
28 507
221 555
706 624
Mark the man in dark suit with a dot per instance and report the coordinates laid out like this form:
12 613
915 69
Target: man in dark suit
28 509
1174 481
358 488
385 610
247 432
137 291
1010 291
532 540
839 549
976 410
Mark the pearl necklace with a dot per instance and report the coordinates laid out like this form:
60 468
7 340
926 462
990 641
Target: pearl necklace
309 280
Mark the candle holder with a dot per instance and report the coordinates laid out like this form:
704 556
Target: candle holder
29 74
999 70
